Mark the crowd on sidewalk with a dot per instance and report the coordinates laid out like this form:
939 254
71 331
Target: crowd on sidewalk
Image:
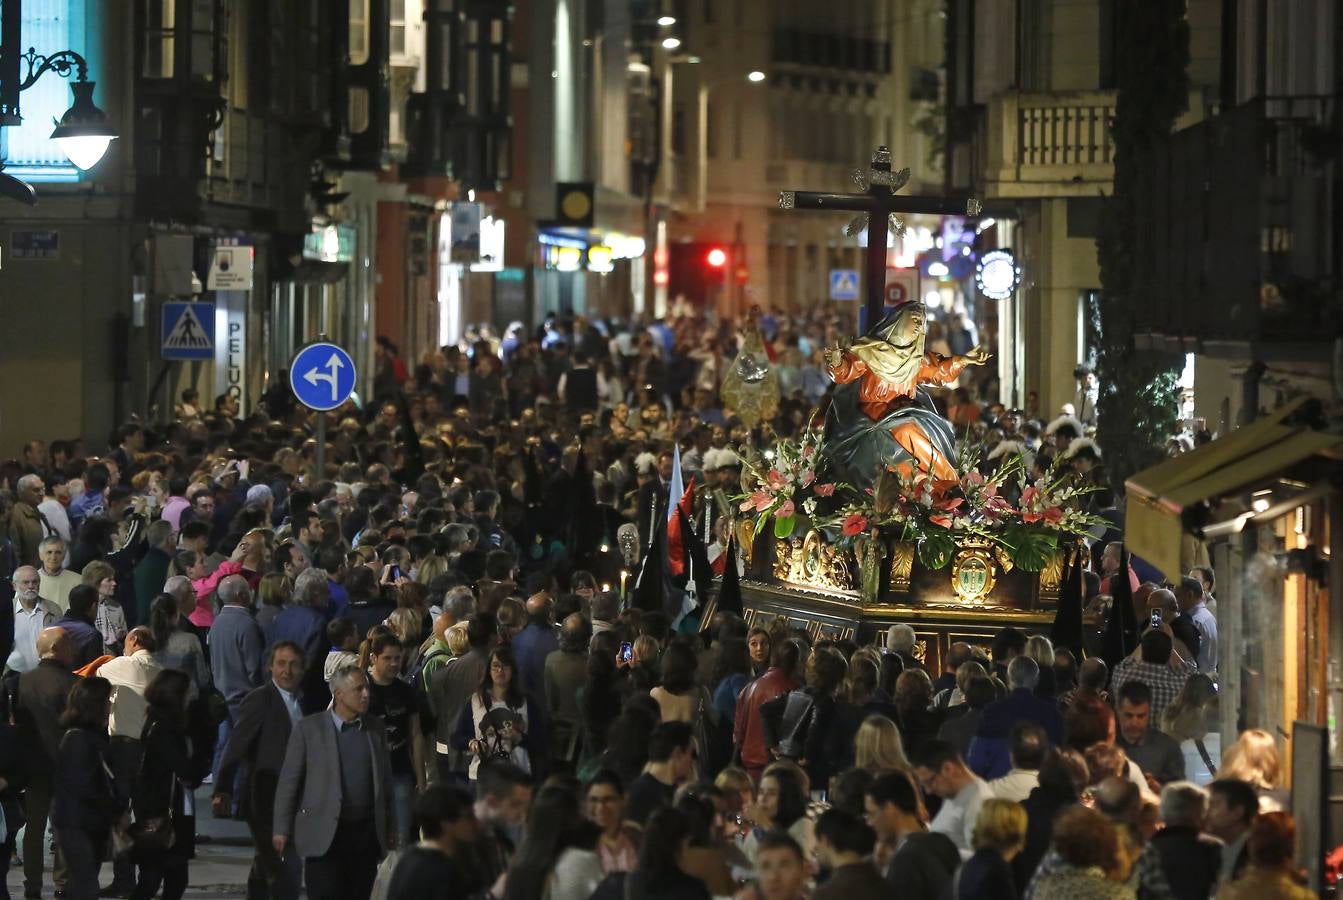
419 672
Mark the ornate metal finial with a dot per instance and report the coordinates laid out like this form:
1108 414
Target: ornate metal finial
882 157
787 199
973 207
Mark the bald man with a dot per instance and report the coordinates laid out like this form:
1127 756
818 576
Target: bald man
237 654
40 702
1183 632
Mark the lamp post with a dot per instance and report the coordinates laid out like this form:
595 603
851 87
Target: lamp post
83 133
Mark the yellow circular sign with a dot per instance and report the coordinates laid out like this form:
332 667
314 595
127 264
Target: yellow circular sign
576 205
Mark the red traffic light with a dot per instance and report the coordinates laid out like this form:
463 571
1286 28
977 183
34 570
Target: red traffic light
717 257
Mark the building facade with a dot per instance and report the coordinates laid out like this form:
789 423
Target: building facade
790 95
270 137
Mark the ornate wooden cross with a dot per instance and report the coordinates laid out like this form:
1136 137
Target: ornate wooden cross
878 206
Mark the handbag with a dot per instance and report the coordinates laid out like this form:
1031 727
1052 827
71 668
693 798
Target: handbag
155 833
152 835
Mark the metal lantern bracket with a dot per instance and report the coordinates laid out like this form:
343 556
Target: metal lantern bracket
62 63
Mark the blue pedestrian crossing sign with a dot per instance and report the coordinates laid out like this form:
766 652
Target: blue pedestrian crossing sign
188 331
322 376
843 284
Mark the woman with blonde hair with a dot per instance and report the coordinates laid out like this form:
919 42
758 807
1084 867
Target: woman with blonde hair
432 567
1192 719
1039 648
999 835
407 625
878 747
273 594
1254 758
457 640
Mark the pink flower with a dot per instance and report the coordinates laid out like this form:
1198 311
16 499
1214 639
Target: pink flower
1053 515
1030 496
775 479
786 509
950 504
824 490
855 524
759 501
972 479
808 477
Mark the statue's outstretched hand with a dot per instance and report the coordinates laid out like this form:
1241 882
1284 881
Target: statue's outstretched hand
978 356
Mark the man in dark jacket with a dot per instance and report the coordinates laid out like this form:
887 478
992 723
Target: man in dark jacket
926 861
990 755
86 644
40 701
843 847
304 623
152 570
258 741
1190 858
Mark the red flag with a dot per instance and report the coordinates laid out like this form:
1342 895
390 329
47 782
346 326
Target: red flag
676 549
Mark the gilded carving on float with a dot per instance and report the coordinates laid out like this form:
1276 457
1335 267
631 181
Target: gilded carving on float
1051 576
902 565
813 563
746 541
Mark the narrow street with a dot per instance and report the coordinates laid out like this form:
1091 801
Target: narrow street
219 871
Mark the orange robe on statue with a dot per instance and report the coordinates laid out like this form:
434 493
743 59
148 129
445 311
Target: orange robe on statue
877 397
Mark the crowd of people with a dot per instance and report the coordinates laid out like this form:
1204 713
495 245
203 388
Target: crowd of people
418 671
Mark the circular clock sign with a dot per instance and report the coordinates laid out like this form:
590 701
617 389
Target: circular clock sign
998 274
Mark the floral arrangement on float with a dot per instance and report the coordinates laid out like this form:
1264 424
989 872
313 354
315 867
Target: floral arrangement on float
1027 521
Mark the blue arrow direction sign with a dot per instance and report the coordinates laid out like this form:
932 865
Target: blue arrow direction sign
322 376
188 331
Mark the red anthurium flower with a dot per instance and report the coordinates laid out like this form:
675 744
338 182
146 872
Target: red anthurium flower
1053 515
855 524
944 521
950 504
824 490
786 509
1030 518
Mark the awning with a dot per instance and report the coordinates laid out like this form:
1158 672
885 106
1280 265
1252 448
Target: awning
1159 498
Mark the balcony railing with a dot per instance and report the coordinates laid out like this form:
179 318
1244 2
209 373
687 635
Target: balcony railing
1049 145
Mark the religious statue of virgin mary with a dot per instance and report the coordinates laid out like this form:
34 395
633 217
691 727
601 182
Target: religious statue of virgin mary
879 418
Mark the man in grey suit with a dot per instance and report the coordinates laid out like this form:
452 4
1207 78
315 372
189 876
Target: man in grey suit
335 790
258 742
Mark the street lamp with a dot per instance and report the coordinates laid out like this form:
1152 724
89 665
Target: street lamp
666 21
83 133
671 43
755 76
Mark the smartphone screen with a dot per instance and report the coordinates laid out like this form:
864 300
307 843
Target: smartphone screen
626 651
1156 618
396 573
